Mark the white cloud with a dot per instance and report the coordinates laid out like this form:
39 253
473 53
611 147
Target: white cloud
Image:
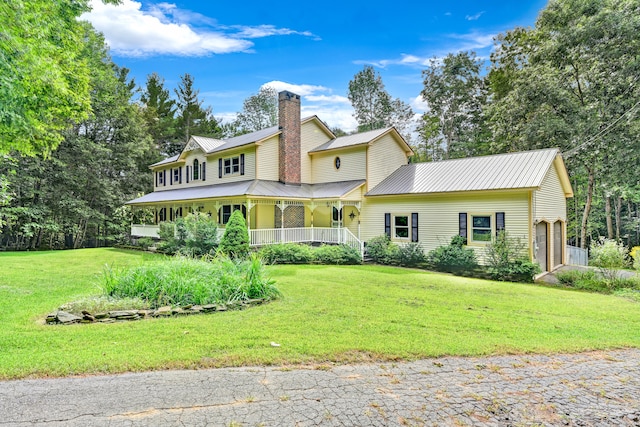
167 30
474 17
340 116
301 90
474 40
419 105
332 99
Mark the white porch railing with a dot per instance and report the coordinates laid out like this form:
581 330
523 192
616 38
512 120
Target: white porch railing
270 236
145 230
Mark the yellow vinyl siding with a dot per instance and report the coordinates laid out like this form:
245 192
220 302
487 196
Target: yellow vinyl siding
438 215
550 205
312 136
352 165
384 156
267 159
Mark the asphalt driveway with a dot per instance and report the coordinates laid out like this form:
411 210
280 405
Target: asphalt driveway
586 389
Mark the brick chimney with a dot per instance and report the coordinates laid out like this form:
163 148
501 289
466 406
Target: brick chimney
289 148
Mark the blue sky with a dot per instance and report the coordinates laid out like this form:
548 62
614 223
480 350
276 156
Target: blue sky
311 48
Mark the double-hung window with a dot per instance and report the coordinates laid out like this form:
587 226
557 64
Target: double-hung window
481 228
401 226
232 165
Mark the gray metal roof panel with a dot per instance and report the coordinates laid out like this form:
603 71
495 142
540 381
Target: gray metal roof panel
167 160
503 171
249 138
351 140
256 188
208 144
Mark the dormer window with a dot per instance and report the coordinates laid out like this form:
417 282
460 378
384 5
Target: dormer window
196 169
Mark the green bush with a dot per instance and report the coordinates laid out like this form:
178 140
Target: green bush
410 255
199 233
382 250
609 256
453 258
507 260
287 253
181 281
235 241
336 255
170 240
145 243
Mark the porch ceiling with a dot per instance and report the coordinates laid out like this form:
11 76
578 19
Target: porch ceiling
251 188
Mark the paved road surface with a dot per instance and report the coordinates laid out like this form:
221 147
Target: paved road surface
588 389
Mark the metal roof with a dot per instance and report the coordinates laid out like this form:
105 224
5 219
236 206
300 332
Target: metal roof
208 144
498 172
351 140
256 188
167 160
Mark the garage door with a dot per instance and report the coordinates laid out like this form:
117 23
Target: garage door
542 245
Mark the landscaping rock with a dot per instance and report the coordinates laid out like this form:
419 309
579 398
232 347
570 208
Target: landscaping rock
66 318
122 313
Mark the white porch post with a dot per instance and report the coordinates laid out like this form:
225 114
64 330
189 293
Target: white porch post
281 221
312 207
341 238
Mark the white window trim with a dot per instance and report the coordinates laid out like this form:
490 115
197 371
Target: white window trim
470 227
231 166
394 236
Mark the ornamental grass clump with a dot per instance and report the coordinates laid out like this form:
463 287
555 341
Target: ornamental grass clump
181 281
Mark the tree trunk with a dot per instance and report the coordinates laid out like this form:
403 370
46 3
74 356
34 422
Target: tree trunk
587 208
607 211
618 209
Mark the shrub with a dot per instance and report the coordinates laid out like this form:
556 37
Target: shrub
336 255
609 256
589 280
145 243
181 281
410 255
199 233
452 258
382 250
287 253
170 240
235 241
507 261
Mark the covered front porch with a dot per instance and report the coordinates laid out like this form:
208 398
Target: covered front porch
269 221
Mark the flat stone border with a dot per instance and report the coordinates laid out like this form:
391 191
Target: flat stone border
61 317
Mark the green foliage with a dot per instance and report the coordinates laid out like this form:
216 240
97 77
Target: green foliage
609 256
259 111
507 260
194 236
235 241
373 107
180 281
590 280
287 253
336 255
410 255
382 250
145 242
453 258
454 92
295 253
200 233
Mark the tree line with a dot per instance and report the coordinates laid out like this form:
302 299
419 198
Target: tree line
77 135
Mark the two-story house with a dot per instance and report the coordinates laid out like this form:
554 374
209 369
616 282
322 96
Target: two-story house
298 182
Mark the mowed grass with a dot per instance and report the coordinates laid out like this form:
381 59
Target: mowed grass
327 314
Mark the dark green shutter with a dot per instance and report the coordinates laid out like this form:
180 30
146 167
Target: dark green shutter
164 177
204 171
462 224
219 168
387 224
499 222
241 164
180 175
414 227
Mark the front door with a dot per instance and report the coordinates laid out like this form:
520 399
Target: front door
542 245
336 218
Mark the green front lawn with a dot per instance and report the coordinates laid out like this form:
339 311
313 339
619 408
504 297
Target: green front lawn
349 313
